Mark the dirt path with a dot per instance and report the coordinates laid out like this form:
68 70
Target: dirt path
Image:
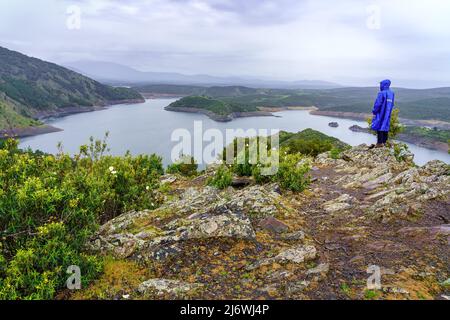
350 242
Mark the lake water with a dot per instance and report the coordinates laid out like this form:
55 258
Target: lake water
147 128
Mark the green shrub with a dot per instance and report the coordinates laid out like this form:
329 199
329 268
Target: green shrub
401 151
292 172
308 147
290 175
371 294
241 165
258 176
222 178
79 192
335 153
395 126
185 166
39 269
310 142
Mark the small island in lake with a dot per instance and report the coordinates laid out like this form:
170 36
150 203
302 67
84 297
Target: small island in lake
215 109
333 124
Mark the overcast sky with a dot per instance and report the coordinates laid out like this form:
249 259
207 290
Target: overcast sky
353 42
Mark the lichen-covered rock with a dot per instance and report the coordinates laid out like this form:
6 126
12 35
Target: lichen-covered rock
119 245
406 193
435 167
399 188
122 223
231 225
273 225
341 203
257 201
168 179
292 236
199 213
297 254
167 286
321 269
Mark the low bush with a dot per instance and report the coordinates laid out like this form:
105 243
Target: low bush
309 147
38 270
50 205
185 166
335 153
292 172
222 178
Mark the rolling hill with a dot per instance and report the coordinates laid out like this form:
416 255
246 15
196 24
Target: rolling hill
31 88
415 104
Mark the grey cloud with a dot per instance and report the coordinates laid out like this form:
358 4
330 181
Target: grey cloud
284 39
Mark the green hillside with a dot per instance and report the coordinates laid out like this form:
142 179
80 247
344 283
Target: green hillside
11 118
310 142
29 86
214 105
432 134
426 104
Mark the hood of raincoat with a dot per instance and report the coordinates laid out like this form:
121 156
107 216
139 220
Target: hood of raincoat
385 84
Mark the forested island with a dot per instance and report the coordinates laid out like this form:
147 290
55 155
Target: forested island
217 110
431 105
226 103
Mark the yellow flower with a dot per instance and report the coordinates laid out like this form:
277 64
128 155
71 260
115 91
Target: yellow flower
73 203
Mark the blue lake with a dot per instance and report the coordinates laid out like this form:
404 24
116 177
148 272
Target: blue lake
147 128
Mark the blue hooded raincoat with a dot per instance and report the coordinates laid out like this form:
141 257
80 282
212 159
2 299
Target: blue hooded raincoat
383 106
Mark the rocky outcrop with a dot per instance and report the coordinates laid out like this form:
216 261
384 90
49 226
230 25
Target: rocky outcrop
166 286
333 124
341 203
198 214
388 177
363 208
298 254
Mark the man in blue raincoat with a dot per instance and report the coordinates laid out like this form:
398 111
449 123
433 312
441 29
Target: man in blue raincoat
382 110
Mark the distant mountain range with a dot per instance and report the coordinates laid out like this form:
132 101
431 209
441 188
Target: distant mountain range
114 73
31 88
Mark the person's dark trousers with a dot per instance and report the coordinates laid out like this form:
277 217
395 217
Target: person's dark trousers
382 136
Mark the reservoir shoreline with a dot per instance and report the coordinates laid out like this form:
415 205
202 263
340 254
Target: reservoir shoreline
264 111
23 132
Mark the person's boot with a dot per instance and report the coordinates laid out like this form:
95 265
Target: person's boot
379 145
371 146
